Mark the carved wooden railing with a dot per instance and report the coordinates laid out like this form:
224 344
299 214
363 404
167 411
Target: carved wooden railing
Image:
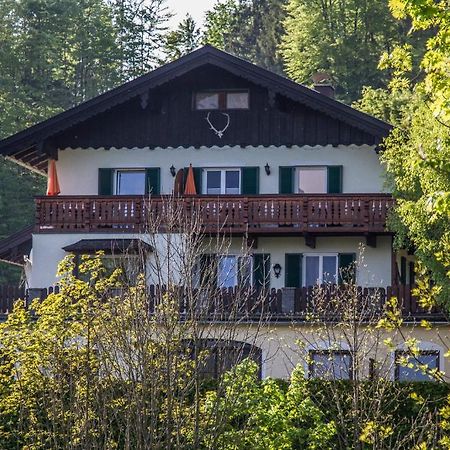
259 214
238 304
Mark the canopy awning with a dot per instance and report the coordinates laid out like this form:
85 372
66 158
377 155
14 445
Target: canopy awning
109 246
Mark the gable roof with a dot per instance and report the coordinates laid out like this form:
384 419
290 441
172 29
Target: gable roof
32 146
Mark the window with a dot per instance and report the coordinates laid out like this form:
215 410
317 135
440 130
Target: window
226 271
222 181
312 180
330 364
211 100
218 356
320 269
130 182
414 367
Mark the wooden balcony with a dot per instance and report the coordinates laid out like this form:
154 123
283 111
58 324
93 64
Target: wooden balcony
315 214
280 305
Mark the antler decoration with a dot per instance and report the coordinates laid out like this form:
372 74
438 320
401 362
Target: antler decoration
212 127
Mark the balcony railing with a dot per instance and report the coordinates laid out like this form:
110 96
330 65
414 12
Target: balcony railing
259 214
285 304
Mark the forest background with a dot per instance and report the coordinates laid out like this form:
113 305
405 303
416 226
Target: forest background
57 54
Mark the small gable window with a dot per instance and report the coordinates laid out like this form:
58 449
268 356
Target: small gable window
211 100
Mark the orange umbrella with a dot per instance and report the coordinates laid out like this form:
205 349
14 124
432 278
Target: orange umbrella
52 179
189 189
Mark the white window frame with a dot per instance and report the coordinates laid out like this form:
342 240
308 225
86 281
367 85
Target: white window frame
116 178
320 255
223 170
311 167
222 100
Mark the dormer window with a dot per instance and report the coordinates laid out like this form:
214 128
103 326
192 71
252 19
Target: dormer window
221 100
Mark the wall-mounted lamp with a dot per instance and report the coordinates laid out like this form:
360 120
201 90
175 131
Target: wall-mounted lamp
267 168
277 270
172 170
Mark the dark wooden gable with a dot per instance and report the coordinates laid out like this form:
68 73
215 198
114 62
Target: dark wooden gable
155 110
166 118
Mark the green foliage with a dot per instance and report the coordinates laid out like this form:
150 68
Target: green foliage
55 54
342 38
250 29
183 40
262 415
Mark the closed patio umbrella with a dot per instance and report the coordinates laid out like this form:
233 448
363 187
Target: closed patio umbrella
189 189
52 179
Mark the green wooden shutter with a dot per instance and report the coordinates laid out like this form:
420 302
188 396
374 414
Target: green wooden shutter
198 171
334 179
261 270
105 181
250 180
286 180
152 181
293 270
346 268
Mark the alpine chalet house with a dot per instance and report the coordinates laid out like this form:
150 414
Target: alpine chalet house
289 168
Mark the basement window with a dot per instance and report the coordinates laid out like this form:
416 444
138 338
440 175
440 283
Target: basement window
416 367
330 364
221 100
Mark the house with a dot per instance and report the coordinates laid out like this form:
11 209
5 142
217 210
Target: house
290 170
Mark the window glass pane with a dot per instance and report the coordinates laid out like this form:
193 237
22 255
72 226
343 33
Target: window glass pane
311 270
207 100
312 180
237 100
213 178
232 182
130 182
331 365
227 271
329 269
415 373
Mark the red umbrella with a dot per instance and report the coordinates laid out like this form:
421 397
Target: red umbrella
189 189
52 179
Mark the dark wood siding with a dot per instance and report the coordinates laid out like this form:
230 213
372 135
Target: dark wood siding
169 119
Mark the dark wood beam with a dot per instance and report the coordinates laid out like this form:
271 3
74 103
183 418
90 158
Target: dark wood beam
371 240
310 240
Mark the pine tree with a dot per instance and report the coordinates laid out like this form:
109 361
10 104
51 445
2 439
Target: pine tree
183 40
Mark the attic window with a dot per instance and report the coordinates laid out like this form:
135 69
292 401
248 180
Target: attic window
210 100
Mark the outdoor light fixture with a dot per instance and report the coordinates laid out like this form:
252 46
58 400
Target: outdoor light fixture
267 168
277 270
172 170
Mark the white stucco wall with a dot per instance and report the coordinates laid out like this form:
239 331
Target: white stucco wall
362 172
374 270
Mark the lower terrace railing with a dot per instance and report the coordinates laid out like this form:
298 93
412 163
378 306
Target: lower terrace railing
278 304
282 214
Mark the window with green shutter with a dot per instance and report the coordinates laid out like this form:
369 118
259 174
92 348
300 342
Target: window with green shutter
293 270
310 180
